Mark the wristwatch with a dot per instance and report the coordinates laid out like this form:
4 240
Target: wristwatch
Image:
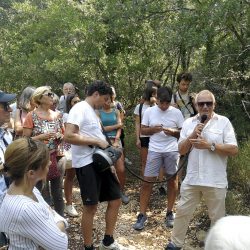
212 147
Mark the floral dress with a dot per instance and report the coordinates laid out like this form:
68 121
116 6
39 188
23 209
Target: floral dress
43 126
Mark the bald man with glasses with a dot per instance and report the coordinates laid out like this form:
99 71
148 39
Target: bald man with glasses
209 139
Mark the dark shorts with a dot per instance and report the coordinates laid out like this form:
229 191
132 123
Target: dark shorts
144 142
97 187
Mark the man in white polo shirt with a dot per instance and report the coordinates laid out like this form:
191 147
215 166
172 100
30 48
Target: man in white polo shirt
162 123
209 143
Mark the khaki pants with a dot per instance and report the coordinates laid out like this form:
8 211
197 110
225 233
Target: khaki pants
190 197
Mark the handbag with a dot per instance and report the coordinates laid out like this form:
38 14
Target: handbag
103 159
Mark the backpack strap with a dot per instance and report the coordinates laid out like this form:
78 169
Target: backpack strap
140 111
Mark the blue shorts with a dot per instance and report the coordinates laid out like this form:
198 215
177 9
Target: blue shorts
168 160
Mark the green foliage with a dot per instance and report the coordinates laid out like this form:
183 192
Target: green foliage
124 42
238 200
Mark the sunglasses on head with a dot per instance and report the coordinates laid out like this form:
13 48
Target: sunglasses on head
6 106
208 104
50 94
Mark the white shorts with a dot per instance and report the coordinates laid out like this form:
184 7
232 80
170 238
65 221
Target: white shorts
168 160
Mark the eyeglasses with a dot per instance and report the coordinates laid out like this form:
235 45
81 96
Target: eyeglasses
50 94
6 106
208 104
76 102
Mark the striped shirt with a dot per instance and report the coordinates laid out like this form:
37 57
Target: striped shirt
30 224
5 140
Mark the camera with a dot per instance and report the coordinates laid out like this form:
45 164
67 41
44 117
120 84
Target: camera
105 158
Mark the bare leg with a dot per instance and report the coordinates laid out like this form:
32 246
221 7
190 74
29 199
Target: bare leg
68 185
111 216
144 153
145 194
120 170
87 223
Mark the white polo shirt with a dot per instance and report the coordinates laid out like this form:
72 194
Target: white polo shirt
207 168
84 116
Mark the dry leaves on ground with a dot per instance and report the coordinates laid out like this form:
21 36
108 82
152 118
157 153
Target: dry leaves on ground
154 236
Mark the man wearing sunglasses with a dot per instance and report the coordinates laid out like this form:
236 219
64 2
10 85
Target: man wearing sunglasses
209 139
5 140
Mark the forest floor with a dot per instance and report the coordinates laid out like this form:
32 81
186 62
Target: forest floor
154 236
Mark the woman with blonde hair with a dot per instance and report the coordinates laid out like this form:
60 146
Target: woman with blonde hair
46 125
25 217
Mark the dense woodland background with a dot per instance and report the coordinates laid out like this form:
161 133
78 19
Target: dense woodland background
50 42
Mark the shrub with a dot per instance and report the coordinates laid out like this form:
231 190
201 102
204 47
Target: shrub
238 198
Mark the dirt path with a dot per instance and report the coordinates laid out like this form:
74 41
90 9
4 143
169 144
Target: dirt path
154 236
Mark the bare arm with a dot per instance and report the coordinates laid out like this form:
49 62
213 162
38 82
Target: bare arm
137 130
146 130
186 145
42 137
119 121
18 127
172 132
113 127
72 136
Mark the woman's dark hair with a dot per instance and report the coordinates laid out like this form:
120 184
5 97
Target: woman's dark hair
148 93
68 102
25 154
152 83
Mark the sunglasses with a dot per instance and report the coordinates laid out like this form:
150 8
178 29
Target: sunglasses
208 104
76 102
50 94
6 106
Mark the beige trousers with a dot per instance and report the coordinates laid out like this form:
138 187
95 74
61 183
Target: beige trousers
190 197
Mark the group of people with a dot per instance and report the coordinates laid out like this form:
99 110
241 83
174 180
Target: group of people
168 126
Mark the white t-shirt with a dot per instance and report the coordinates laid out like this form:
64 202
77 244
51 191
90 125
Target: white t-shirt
136 112
170 118
184 104
31 224
84 116
206 168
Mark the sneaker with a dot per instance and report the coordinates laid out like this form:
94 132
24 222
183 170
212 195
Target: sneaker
172 246
113 246
125 198
162 191
70 210
141 219
170 219
127 161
